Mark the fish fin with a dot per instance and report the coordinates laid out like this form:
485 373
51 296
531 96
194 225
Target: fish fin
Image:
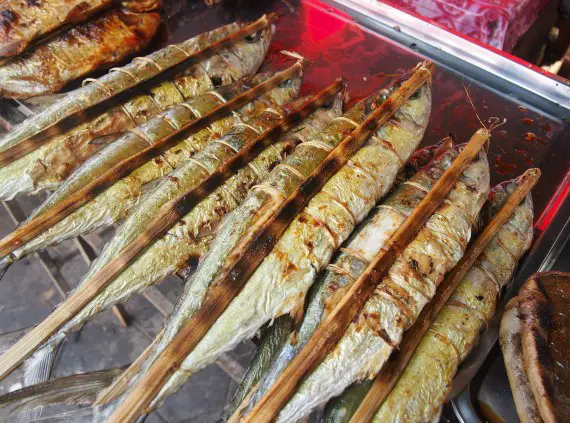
37 369
82 415
77 389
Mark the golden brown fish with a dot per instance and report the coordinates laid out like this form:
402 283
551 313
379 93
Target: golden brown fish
99 43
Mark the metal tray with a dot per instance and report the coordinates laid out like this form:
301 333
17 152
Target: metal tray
366 42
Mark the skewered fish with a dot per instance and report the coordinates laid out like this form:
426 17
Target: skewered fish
99 43
399 297
425 383
115 203
187 176
353 259
273 355
279 284
49 165
23 21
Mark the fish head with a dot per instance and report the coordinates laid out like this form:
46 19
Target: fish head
424 156
248 54
498 197
287 90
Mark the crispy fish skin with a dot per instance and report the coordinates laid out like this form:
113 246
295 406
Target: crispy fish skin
278 286
399 297
117 201
353 259
49 165
99 43
426 381
272 356
22 21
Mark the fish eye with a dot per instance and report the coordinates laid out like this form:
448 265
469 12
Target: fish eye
253 38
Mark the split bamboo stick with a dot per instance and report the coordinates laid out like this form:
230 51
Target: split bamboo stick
100 103
332 328
56 213
386 380
166 217
252 250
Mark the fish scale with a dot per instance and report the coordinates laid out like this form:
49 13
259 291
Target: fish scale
425 383
365 242
46 167
116 202
397 300
279 284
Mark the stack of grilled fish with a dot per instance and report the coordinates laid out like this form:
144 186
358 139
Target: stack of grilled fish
319 256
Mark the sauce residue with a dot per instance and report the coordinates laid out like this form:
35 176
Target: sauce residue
502 167
527 121
525 155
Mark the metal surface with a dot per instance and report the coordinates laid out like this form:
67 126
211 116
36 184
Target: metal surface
498 70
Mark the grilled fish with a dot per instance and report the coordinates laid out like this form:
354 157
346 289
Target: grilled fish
353 259
115 203
96 44
399 297
275 353
279 284
425 383
188 238
49 165
23 21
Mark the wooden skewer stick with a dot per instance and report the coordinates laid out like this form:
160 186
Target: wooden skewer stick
59 211
101 103
251 251
387 378
166 217
333 327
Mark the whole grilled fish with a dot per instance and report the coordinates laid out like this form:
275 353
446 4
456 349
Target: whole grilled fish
23 21
279 349
99 43
279 284
425 383
115 203
50 164
188 238
399 297
355 254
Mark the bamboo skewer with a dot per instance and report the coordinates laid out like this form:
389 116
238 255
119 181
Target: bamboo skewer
333 327
101 104
387 379
256 245
56 213
166 217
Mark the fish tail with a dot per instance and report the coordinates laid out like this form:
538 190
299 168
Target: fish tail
81 389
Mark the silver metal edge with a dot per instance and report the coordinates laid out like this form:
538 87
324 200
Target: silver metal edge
476 55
